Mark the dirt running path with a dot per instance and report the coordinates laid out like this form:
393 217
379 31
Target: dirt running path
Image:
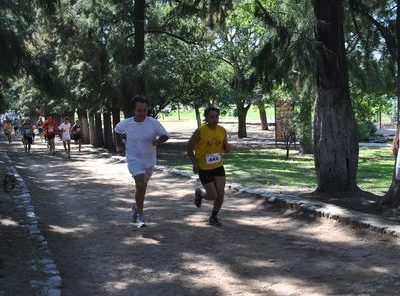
84 209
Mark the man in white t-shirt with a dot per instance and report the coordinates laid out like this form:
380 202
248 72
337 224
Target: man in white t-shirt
65 131
143 134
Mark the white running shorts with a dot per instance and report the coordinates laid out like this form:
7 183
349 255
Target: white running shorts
66 138
136 169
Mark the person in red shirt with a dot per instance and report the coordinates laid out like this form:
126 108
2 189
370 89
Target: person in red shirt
50 129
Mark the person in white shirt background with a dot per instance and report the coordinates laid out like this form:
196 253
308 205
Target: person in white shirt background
143 135
65 131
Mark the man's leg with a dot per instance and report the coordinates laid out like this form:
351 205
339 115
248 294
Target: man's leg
140 192
207 180
211 191
30 142
141 185
210 194
53 144
219 182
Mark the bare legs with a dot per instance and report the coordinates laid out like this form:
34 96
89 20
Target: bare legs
215 191
141 186
67 148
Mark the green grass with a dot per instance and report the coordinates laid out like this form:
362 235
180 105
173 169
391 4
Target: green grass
252 114
268 168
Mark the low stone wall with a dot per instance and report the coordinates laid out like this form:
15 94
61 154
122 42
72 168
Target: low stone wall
46 280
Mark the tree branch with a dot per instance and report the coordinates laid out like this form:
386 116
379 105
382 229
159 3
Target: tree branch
385 32
158 31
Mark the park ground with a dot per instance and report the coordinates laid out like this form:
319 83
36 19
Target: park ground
83 207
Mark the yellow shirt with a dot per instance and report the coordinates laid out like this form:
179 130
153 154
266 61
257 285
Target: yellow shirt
7 126
210 146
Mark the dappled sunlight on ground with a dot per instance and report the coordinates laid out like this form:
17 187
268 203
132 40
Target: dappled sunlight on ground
62 230
8 222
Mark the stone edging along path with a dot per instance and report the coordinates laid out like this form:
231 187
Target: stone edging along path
320 209
47 280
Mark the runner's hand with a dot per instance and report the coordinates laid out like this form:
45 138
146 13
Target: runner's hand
195 167
118 149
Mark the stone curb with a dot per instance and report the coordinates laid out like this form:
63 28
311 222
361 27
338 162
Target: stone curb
48 281
320 209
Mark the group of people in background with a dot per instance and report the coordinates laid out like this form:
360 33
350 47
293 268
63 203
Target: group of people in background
47 130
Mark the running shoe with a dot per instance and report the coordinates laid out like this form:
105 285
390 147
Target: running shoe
214 221
140 221
134 213
198 198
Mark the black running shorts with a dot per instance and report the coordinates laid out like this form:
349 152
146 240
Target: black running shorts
207 176
29 140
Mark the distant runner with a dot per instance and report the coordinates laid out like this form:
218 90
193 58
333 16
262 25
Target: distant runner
209 142
143 135
39 125
77 133
65 131
7 128
27 131
16 122
50 128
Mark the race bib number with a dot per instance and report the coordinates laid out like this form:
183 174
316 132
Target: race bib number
50 129
213 158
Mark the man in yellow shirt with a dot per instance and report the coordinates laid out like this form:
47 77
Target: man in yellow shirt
7 128
205 149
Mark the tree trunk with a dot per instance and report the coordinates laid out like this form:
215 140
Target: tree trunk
335 139
198 116
83 118
92 133
263 117
139 13
116 116
242 114
99 142
108 135
392 197
305 137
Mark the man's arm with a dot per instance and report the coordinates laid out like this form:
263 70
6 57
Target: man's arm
119 131
226 146
190 149
118 143
160 140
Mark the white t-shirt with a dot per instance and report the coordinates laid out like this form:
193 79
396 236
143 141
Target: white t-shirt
139 137
64 128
